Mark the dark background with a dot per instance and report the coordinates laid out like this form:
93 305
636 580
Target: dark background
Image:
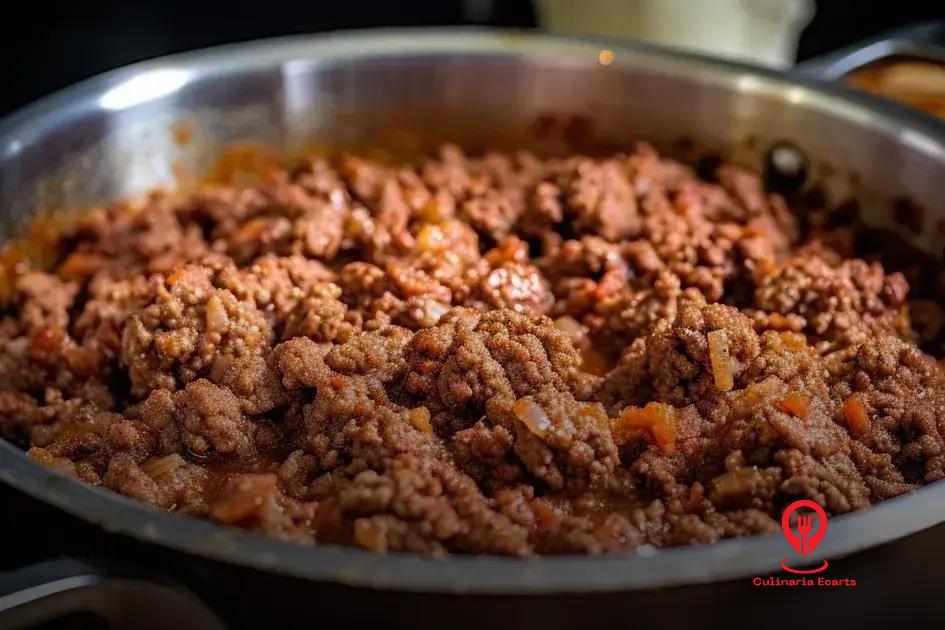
52 44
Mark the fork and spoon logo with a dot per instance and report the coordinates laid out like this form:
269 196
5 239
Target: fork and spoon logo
804 542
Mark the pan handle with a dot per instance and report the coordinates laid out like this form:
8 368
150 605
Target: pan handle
924 40
67 586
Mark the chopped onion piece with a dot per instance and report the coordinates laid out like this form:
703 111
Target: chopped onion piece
720 356
370 534
217 319
532 416
430 238
162 467
420 419
735 483
756 393
569 326
657 418
243 496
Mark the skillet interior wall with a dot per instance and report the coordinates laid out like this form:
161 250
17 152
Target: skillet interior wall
117 137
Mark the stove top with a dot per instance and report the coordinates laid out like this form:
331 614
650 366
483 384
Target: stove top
46 584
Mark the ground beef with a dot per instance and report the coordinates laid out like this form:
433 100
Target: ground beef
848 301
210 420
277 284
46 301
500 354
463 364
254 382
188 326
601 198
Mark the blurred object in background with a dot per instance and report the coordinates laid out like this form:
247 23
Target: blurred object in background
52 43
914 82
839 23
759 31
905 63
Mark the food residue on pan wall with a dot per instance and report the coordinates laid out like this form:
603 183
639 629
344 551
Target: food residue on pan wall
182 131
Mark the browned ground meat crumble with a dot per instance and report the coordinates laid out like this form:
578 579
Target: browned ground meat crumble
501 354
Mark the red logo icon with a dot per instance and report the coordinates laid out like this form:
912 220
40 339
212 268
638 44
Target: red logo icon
808 539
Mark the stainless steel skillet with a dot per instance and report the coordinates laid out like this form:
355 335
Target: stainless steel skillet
114 136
